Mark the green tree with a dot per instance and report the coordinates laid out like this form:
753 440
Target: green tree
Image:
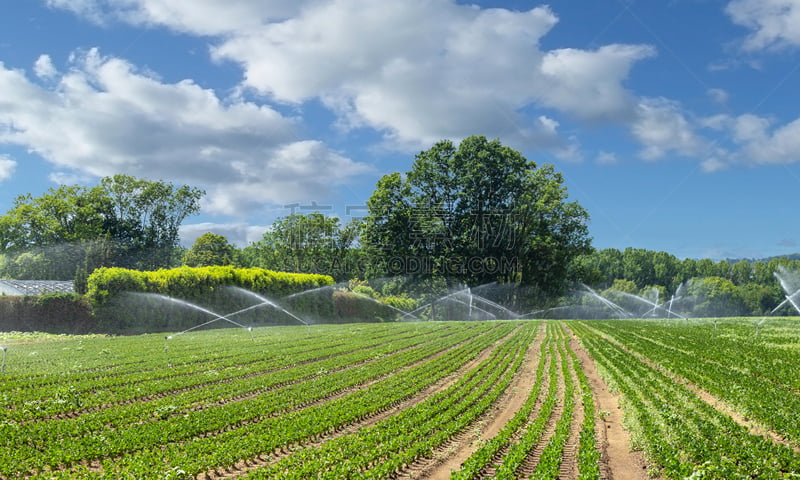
474 214
716 297
124 221
308 243
209 250
144 217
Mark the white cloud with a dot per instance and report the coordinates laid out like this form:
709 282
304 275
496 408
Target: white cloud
417 71
774 23
662 128
588 84
201 17
713 164
105 117
762 145
7 167
420 71
239 234
44 67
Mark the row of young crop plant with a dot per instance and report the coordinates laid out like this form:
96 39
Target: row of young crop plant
95 390
504 455
227 448
757 377
681 435
48 363
381 450
126 428
111 419
225 432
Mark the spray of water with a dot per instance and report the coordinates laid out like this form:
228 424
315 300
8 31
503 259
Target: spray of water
3 368
266 301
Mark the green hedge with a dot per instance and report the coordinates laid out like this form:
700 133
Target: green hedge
112 292
51 313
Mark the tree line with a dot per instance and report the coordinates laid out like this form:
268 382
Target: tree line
463 215
741 287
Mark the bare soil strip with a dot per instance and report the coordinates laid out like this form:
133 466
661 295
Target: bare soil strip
618 462
247 465
569 461
528 467
450 457
721 406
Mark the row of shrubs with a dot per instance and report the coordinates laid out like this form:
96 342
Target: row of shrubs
121 300
132 301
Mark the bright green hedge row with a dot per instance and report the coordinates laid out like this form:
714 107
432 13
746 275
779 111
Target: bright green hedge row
190 283
213 288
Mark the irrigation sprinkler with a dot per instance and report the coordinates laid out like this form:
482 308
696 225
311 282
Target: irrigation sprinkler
3 368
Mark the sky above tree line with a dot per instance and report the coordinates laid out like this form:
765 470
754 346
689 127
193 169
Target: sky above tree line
676 123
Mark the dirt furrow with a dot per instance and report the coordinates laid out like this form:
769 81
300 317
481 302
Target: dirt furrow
450 457
569 462
247 465
709 398
528 467
618 462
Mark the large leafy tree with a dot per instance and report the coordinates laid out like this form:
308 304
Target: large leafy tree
123 221
307 243
475 213
210 249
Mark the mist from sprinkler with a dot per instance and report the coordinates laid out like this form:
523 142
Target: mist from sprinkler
3 368
264 301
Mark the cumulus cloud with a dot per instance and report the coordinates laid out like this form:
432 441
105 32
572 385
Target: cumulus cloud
662 127
417 71
588 84
7 167
421 71
774 23
105 117
44 67
200 17
768 146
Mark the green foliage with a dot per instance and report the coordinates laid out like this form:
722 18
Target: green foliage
208 250
124 221
475 214
308 243
188 282
750 288
108 290
719 297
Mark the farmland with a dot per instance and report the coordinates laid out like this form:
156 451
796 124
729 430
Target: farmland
464 400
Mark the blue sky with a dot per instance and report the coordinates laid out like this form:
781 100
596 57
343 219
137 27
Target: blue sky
675 123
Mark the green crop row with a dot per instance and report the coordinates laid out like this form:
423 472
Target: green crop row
482 458
681 434
739 369
131 427
221 435
390 445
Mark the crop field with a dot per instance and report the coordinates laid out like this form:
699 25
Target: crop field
463 400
